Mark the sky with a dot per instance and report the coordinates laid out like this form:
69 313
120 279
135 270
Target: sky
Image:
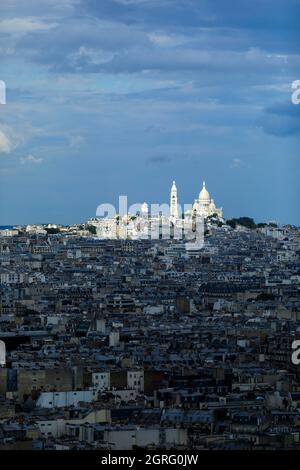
121 97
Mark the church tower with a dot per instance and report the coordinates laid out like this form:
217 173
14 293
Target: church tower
173 202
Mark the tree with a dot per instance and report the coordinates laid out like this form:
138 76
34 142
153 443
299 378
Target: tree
231 223
52 230
247 222
265 296
92 229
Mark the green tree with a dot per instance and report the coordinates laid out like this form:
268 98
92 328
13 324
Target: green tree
52 230
265 296
231 223
244 221
92 229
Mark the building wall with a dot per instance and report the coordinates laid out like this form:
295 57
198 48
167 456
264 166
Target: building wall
58 428
135 380
55 428
3 380
176 436
30 381
126 439
118 379
101 381
125 395
64 399
33 381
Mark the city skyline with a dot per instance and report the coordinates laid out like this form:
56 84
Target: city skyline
118 97
180 205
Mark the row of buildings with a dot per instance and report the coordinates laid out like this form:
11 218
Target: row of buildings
122 344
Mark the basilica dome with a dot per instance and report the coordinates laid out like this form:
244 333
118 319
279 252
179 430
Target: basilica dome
204 195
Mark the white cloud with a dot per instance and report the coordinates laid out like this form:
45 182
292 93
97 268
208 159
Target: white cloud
24 25
6 144
37 7
132 2
167 40
235 163
30 159
76 141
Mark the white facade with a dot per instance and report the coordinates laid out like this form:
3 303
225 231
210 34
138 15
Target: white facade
11 278
101 325
144 209
148 224
2 353
173 202
8 233
125 395
101 381
64 399
205 205
60 427
114 338
127 437
54 427
135 380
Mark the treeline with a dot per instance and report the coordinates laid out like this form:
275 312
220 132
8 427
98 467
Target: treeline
247 222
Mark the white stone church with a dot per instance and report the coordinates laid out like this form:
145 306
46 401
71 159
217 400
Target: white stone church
203 206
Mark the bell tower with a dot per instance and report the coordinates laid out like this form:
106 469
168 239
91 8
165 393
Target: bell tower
173 201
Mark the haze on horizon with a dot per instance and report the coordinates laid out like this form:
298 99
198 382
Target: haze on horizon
125 96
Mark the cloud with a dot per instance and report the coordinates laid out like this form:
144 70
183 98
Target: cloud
24 25
36 7
235 163
187 59
76 141
92 45
253 14
158 160
281 120
167 40
6 143
78 44
133 2
30 160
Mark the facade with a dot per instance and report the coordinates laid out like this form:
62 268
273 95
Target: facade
65 399
148 224
204 205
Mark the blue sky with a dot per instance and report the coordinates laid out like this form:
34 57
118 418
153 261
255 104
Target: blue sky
114 97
